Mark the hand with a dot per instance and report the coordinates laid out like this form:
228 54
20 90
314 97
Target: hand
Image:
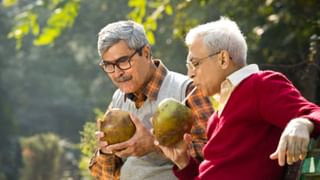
293 144
178 154
102 144
140 144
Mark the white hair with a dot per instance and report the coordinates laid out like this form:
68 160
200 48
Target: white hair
222 34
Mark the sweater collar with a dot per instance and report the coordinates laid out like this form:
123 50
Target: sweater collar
236 77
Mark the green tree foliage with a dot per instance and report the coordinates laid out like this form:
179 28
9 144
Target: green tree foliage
87 146
47 156
41 157
45 31
10 156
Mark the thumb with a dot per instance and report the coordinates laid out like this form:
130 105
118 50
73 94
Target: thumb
99 134
274 155
135 120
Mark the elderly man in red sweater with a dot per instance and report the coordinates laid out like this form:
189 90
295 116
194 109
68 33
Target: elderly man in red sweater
262 122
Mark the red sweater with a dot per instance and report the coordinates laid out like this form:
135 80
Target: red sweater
241 140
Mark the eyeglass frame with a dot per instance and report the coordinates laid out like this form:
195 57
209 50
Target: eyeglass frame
103 64
192 66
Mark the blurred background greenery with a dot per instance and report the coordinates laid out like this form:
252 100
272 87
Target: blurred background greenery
52 90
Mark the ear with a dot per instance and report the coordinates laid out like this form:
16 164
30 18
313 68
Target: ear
224 59
146 51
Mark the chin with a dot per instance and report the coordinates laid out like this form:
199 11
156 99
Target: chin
203 91
128 89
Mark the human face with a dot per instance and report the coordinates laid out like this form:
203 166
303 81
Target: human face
206 72
131 79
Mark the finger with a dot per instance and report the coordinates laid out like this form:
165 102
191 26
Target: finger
155 142
304 149
281 150
123 153
102 144
98 123
119 146
104 148
135 121
99 134
297 149
151 120
274 155
290 150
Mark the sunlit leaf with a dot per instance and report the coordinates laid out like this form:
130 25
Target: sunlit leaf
34 25
169 9
150 24
47 37
150 37
8 3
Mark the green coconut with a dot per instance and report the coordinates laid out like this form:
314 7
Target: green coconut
171 121
117 126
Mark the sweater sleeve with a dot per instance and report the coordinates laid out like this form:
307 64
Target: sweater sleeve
279 101
190 172
105 166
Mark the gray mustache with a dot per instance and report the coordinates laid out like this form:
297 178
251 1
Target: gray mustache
123 79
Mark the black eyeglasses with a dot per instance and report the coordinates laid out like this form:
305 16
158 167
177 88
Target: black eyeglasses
193 62
122 63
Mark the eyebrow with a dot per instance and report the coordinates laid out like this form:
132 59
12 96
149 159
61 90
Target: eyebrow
115 61
192 59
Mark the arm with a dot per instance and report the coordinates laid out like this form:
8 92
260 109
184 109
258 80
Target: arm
202 110
282 105
105 166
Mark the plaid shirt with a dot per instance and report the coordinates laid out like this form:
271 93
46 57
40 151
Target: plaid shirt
107 166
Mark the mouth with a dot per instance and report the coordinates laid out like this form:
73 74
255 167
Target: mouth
123 79
196 84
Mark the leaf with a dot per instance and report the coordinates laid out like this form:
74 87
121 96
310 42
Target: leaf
150 37
9 3
150 24
47 37
168 9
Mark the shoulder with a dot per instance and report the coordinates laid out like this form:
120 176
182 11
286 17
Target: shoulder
177 78
268 75
273 81
118 93
176 75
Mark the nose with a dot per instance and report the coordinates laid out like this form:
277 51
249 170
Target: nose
191 73
118 71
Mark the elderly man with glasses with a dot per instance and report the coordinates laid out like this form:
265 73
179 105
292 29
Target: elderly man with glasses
142 83
261 117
